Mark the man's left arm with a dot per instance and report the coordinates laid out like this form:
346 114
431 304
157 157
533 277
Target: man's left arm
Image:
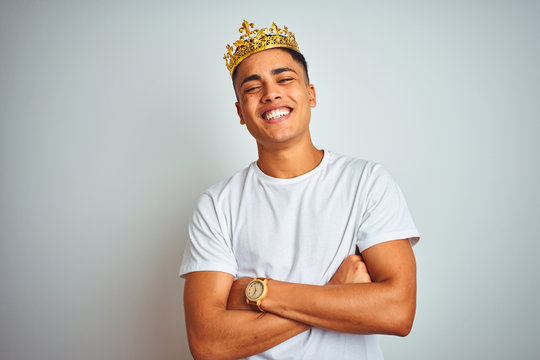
385 306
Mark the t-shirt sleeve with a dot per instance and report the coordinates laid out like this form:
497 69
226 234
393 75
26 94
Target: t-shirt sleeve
385 215
209 246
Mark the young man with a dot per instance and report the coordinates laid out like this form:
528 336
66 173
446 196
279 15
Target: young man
271 270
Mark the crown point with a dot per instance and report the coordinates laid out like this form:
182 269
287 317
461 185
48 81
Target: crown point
255 40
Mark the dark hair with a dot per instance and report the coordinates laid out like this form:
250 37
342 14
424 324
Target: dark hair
299 58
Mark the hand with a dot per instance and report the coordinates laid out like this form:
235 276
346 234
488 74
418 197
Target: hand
237 295
352 270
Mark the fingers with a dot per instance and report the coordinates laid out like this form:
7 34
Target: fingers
352 270
358 265
354 257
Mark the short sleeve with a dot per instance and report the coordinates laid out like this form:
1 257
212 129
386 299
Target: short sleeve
209 246
385 215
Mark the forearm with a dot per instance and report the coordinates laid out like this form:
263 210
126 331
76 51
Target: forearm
231 334
218 331
378 307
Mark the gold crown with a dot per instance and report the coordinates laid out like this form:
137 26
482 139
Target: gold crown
254 40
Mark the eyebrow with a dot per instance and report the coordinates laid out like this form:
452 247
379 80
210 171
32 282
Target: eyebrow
273 72
250 78
281 70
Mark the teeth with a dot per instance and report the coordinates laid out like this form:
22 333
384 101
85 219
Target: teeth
274 114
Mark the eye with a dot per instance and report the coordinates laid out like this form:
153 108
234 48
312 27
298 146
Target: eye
285 80
251 89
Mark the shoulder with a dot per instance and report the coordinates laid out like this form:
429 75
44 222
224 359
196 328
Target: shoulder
353 167
229 186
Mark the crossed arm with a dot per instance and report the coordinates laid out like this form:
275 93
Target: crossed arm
221 325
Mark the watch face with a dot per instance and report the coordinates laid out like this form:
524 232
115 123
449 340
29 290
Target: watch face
255 290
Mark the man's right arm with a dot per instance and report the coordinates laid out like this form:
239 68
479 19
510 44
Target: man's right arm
214 332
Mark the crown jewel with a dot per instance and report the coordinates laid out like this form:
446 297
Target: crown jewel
255 40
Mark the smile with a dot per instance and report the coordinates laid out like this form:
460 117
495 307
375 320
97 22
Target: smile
276 113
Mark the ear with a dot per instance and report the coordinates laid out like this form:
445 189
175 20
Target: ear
239 112
311 95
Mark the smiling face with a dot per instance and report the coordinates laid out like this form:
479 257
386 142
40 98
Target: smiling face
274 99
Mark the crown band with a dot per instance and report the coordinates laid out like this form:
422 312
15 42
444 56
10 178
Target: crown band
255 40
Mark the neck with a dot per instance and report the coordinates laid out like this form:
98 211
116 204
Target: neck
288 161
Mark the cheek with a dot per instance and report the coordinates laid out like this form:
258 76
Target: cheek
250 109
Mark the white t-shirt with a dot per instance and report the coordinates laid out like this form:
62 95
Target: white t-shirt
299 230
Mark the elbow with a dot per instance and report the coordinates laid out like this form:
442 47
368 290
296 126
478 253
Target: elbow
403 321
402 328
204 350
198 349
404 310
201 351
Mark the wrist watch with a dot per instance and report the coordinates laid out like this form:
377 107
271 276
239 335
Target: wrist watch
256 290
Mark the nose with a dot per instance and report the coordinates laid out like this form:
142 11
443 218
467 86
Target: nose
271 93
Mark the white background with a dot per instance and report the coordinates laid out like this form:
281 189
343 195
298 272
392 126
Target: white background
116 115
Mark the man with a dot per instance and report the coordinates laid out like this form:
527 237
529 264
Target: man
270 269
